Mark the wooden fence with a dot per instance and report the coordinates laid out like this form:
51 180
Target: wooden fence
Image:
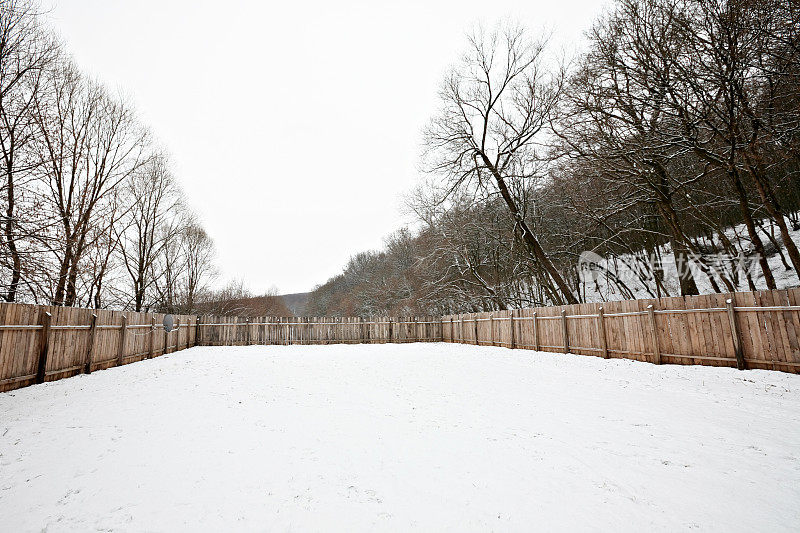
743 329
42 343
233 331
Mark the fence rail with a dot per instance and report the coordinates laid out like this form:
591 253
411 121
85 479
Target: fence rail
743 329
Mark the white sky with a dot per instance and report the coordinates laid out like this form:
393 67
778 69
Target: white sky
294 126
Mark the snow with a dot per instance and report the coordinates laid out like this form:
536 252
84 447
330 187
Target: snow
431 437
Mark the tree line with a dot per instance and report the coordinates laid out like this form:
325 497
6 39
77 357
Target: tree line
668 147
92 214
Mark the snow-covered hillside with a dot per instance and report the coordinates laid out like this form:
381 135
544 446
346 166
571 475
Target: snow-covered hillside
432 437
635 271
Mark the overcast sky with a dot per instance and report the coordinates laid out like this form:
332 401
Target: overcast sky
294 127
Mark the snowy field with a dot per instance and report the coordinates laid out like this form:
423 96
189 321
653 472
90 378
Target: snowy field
432 437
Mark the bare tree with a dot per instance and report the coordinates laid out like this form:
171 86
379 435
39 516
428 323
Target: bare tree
495 108
614 120
169 266
198 251
101 259
26 49
742 68
153 198
89 143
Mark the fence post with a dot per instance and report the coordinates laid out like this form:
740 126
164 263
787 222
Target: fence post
491 328
513 333
44 344
390 328
475 322
656 349
197 322
535 332
741 364
122 334
90 348
166 343
247 331
151 353
452 329
461 328
601 332
565 330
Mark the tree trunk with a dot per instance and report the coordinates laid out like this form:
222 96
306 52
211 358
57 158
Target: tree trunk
685 276
752 231
58 298
776 213
679 250
72 279
16 272
527 236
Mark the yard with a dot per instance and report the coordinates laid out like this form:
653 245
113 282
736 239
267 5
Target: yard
401 436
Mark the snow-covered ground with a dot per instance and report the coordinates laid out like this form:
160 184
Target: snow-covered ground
432 437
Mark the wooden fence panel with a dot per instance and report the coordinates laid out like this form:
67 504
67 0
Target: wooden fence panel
793 298
68 341
615 338
752 342
680 330
19 348
672 331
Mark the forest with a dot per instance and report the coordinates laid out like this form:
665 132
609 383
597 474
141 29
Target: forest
667 150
